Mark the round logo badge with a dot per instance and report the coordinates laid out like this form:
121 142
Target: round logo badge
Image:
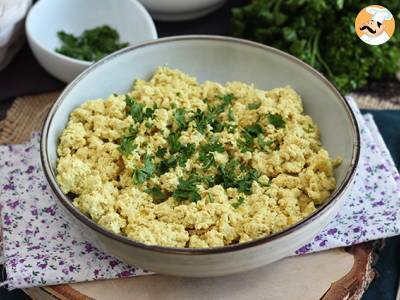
374 25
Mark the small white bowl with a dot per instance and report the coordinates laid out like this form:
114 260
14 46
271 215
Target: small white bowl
181 10
47 17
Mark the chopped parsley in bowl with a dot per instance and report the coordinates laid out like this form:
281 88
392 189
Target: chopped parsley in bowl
92 45
176 163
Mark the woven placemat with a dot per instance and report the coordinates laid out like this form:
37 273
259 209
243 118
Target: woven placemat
28 113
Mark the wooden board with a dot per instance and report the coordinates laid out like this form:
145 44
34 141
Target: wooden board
333 274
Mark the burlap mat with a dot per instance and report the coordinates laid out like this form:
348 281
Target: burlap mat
28 113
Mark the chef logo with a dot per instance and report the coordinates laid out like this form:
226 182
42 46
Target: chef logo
374 25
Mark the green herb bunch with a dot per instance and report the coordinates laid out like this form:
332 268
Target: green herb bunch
91 45
322 34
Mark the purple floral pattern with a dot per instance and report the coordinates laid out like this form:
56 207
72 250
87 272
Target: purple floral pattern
372 209
41 248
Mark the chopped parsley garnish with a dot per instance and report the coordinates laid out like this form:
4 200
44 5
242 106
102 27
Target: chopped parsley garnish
92 45
201 121
187 189
133 130
226 99
148 113
253 130
262 143
185 153
141 175
211 117
249 134
229 177
129 100
157 194
137 111
179 116
210 198
310 128
245 182
127 146
208 180
254 105
231 117
178 94
161 152
163 166
148 124
231 128
238 202
205 155
173 142
276 120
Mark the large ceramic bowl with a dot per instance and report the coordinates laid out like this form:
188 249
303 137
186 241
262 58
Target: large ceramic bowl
219 59
47 17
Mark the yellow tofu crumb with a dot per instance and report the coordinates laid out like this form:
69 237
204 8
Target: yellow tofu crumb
177 163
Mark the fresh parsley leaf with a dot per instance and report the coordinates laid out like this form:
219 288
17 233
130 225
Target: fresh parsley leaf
208 180
148 113
148 124
210 198
218 126
231 128
254 105
329 45
163 166
136 111
226 99
92 45
187 189
276 120
310 128
127 146
213 146
238 202
129 100
173 142
157 194
253 130
249 133
185 153
229 177
178 94
205 155
161 152
231 116
141 175
206 159
179 116
245 182
264 145
201 121
133 131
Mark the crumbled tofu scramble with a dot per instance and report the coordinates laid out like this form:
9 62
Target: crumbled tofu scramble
180 164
